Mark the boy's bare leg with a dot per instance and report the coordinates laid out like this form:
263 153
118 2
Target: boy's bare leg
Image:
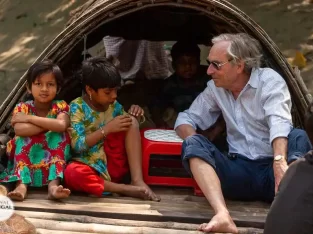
210 185
134 155
56 191
19 193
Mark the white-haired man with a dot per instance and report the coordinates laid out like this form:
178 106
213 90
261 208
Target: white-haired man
256 105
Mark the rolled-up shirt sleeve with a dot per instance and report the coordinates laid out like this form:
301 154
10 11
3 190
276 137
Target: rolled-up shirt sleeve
277 106
202 113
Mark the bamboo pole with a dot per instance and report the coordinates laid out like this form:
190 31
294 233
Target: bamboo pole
107 221
102 228
119 225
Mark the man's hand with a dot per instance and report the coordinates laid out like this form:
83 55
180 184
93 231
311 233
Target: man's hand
20 118
280 167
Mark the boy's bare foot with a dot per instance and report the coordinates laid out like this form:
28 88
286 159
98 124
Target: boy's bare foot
136 191
151 195
19 193
58 192
221 222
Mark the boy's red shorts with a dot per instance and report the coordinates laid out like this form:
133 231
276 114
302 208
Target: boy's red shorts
83 178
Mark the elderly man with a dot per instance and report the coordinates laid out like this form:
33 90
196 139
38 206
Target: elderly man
255 103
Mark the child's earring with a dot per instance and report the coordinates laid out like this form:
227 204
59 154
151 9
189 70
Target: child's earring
90 97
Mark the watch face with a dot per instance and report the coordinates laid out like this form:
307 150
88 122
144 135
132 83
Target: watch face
278 157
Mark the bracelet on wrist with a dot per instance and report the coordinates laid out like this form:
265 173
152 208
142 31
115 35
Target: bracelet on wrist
103 133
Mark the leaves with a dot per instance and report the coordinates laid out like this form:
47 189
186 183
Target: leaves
299 60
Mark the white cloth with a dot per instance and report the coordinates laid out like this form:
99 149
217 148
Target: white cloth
138 58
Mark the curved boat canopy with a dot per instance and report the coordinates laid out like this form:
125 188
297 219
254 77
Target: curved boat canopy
158 20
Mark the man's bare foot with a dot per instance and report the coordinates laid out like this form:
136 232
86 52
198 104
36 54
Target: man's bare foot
58 192
19 193
151 195
221 222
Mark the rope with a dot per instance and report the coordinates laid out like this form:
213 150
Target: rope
85 46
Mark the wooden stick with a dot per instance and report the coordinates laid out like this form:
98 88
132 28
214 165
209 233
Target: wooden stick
117 222
102 228
302 85
72 227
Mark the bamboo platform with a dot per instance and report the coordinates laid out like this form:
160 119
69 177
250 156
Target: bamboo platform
178 212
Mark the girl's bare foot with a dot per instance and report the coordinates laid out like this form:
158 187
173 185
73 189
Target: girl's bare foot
19 193
58 192
221 222
151 195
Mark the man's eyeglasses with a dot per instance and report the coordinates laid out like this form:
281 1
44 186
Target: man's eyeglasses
217 65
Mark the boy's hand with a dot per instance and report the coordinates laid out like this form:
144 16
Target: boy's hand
136 111
20 118
120 123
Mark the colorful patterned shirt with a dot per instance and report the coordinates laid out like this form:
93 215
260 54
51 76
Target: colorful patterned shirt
84 121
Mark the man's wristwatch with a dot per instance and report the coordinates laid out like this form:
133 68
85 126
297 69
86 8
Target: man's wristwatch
278 157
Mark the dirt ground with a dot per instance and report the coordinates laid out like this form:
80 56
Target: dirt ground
290 25
28 26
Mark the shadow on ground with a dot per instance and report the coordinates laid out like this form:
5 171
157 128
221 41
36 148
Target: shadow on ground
26 28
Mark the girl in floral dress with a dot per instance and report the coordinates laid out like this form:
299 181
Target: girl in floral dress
105 139
41 146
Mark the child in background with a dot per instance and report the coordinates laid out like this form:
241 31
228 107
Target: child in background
105 139
41 146
182 87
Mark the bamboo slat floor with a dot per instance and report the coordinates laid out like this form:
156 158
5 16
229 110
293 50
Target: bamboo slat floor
178 212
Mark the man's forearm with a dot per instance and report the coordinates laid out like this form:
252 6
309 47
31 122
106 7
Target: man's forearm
185 130
280 145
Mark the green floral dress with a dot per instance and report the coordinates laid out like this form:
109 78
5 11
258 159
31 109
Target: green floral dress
38 159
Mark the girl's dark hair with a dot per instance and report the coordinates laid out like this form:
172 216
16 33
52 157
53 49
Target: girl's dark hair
45 66
99 72
181 48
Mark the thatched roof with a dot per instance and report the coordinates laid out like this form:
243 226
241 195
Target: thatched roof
160 20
